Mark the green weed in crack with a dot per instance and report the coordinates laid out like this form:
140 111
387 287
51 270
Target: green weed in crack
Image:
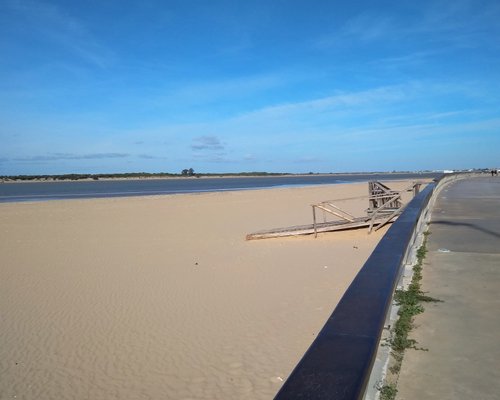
410 304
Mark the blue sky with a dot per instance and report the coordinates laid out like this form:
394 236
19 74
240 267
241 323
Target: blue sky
227 86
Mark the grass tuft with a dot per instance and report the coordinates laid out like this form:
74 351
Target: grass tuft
388 392
410 302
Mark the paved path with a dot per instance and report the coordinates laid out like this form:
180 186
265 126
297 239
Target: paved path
462 334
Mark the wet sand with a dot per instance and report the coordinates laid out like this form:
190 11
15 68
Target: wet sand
162 297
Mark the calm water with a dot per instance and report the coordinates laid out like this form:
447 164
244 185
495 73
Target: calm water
42 191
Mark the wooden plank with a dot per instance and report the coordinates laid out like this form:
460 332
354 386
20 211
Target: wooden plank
381 210
314 223
361 222
334 213
386 221
339 209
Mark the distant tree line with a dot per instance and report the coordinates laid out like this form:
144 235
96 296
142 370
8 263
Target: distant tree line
76 177
188 172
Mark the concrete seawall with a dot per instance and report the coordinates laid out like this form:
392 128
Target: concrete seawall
339 362
346 360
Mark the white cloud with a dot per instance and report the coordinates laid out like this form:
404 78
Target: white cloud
339 101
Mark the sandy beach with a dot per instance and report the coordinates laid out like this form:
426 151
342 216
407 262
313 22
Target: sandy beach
162 297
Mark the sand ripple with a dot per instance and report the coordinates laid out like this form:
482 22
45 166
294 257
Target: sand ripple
160 297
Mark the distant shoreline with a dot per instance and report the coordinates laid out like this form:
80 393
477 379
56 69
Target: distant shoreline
136 177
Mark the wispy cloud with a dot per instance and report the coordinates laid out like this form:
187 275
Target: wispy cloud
245 85
71 156
460 24
214 91
345 116
367 27
364 28
151 157
339 101
210 143
436 24
209 149
395 63
49 23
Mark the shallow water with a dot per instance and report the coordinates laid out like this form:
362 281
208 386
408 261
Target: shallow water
43 191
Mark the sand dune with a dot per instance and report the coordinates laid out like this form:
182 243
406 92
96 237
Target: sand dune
161 297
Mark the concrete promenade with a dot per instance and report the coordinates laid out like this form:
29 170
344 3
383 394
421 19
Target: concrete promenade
462 268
